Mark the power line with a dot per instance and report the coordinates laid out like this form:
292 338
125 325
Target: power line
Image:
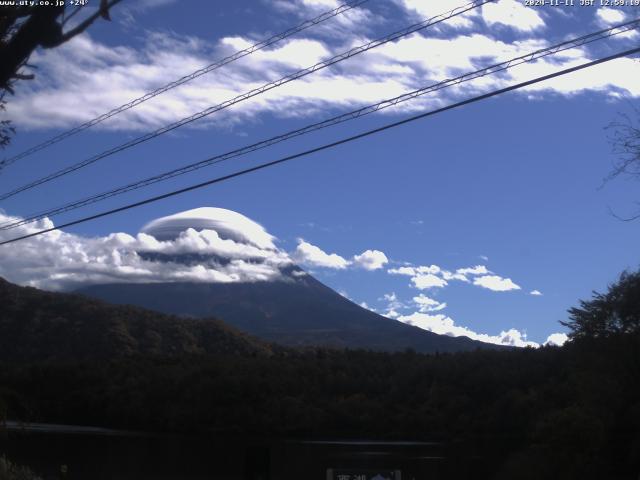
187 78
329 145
252 93
493 69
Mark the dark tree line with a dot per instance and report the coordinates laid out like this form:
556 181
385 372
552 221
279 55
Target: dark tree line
569 412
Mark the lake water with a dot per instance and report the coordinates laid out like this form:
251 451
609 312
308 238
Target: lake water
101 454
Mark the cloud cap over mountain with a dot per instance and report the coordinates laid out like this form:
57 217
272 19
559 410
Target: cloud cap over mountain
200 245
228 224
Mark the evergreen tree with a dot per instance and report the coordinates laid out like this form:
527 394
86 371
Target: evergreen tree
617 311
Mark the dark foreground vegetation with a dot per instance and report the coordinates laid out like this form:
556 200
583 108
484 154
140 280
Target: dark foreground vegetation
10 471
570 412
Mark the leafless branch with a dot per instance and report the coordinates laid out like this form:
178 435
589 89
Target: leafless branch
625 143
623 219
103 12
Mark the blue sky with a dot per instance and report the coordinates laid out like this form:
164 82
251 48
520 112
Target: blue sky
508 187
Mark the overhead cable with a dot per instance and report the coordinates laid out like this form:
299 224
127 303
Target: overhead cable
327 146
493 69
187 78
252 93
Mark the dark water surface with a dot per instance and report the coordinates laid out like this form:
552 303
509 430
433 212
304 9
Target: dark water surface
101 454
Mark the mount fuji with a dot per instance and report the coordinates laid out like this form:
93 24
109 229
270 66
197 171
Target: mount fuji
242 278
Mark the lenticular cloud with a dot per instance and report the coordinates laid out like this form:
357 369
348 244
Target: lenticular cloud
201 245
227 223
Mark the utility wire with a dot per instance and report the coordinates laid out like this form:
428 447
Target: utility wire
252 93
493 69
187 78
329 145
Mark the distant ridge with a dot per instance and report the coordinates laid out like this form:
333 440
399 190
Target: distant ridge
296 311
37 325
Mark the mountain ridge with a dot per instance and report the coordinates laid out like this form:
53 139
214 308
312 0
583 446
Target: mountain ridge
37 325
298 311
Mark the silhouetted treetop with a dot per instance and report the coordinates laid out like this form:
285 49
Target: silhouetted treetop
617 311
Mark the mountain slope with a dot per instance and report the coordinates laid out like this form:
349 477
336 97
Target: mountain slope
299 311
38 325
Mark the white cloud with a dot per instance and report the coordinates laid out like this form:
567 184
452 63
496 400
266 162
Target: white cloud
344 294
402 271
613 78
121 73
512 13
238 251
609 16
433 269
433 276
444 325
371 260
427 304
305 7
366 306
477 270
60 260
462 273
444 57
204 242
312 255
426 9
535 293
447 275
630 34
496 283
429 280
297 53
556 339
393 305
324 4
227 223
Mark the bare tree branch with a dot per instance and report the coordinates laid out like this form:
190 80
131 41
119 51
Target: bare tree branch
103 12
25 28
623 219
625 143
624 138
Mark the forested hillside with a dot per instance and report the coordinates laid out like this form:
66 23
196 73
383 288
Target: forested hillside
39 325
553 412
